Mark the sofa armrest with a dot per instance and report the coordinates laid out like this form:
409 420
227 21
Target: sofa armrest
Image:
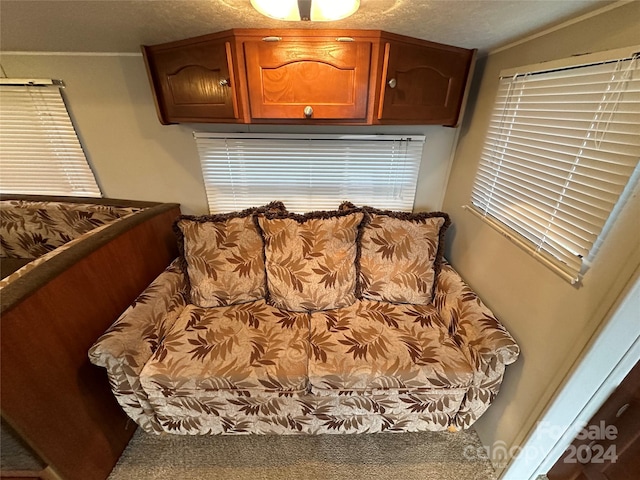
471 323
130 342
137 333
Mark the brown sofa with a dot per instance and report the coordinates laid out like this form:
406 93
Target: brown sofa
330 322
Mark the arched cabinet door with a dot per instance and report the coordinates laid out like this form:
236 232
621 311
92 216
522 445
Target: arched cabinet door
308 80
193 82
423 82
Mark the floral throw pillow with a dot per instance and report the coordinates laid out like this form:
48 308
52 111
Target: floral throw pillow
401 255
311 259
223 256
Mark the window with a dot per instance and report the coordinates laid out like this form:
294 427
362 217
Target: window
309 172
561 155
39 150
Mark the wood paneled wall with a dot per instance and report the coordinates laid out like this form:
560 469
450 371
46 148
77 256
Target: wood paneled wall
58 402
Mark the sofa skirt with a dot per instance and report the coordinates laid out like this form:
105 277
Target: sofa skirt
272 413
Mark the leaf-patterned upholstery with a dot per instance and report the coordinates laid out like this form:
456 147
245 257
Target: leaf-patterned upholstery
322 341
34 231
401 255
156 346
129 343
223 256
311 259
227 412
29 229
250 347
378 347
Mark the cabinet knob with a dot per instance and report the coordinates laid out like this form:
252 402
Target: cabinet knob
392 83
224 83
308 111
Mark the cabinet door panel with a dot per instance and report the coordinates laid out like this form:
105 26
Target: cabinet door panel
437 93
196 85
423 83
330 77
194 82
300 83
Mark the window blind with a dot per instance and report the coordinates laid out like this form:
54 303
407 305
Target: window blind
561 149
309 172
39 150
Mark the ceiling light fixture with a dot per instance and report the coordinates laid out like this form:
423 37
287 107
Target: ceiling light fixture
314 10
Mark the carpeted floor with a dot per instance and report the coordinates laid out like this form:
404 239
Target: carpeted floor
398 456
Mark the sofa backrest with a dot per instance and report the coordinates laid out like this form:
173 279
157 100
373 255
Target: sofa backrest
29 229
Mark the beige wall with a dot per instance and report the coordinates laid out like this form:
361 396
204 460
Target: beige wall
135 157
549 318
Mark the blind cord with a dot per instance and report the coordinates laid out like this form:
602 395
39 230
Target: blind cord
617 92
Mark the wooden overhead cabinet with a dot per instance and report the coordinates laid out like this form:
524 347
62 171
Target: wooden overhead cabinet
192 80
350 77
423 81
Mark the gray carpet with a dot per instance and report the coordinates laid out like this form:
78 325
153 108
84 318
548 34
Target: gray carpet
398 456
15 454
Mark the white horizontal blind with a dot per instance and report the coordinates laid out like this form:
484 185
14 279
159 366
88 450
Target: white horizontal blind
561 148
309 172
39 150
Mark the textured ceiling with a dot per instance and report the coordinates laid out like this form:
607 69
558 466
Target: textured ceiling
122 26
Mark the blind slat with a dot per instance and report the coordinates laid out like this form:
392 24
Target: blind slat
561 149
309 172
39 149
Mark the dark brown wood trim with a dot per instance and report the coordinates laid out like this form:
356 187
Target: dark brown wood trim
155 90
22 287
114 202
52 396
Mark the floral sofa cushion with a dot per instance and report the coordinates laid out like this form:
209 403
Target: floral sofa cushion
224 257
401 255
311 259
29 229
379 347
245 347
